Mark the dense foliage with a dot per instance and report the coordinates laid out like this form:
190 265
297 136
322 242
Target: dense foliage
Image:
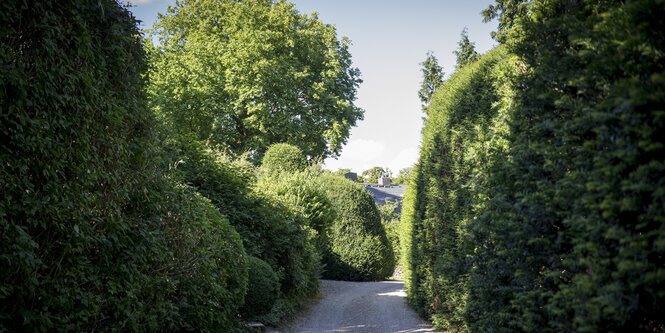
94 235
283 157
359 249
301 192
263 289
442 196
403 177
270 230
243 75
538 202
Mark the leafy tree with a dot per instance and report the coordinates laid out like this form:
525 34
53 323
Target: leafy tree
404 176
372 175
342 172
466 50
243 75
432 79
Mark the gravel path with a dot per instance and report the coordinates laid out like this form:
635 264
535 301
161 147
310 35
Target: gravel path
361 307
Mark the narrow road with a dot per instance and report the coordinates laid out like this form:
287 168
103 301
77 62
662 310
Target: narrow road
361 307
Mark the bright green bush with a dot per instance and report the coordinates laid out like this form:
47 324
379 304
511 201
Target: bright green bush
285 177
359 249
94 235
284 157
537 202
262 289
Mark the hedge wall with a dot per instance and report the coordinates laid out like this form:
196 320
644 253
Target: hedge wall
466 116
94 235
537 203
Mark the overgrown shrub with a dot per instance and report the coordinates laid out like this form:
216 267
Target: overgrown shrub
359 249
297 188
262 288
391 223
270 230
94 235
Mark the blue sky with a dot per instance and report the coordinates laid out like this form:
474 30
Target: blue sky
390 39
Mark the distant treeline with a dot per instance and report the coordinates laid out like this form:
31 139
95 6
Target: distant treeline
538 202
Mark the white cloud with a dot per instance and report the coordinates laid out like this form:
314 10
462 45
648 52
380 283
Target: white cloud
358 155
362 154
405 158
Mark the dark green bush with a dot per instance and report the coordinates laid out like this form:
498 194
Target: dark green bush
93 235
262 289
537 204
270 231
359 249
284 157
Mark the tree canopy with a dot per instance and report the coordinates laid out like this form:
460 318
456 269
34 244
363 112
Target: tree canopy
242 75
372 175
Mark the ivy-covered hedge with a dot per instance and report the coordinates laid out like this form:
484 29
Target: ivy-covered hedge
93 234
537 203
359 249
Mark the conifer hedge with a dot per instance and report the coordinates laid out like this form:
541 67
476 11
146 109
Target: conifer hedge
538 200
94 235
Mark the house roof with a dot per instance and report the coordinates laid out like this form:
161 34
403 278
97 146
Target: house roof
382 193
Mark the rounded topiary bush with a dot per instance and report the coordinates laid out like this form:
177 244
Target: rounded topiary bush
284 157
359 249
262 289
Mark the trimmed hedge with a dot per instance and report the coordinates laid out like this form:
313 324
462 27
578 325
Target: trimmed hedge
94 235
445 194
263 289
359 249
537 204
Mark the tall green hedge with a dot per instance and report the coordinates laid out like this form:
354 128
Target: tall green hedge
94 235
445 193
537 204
359 249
